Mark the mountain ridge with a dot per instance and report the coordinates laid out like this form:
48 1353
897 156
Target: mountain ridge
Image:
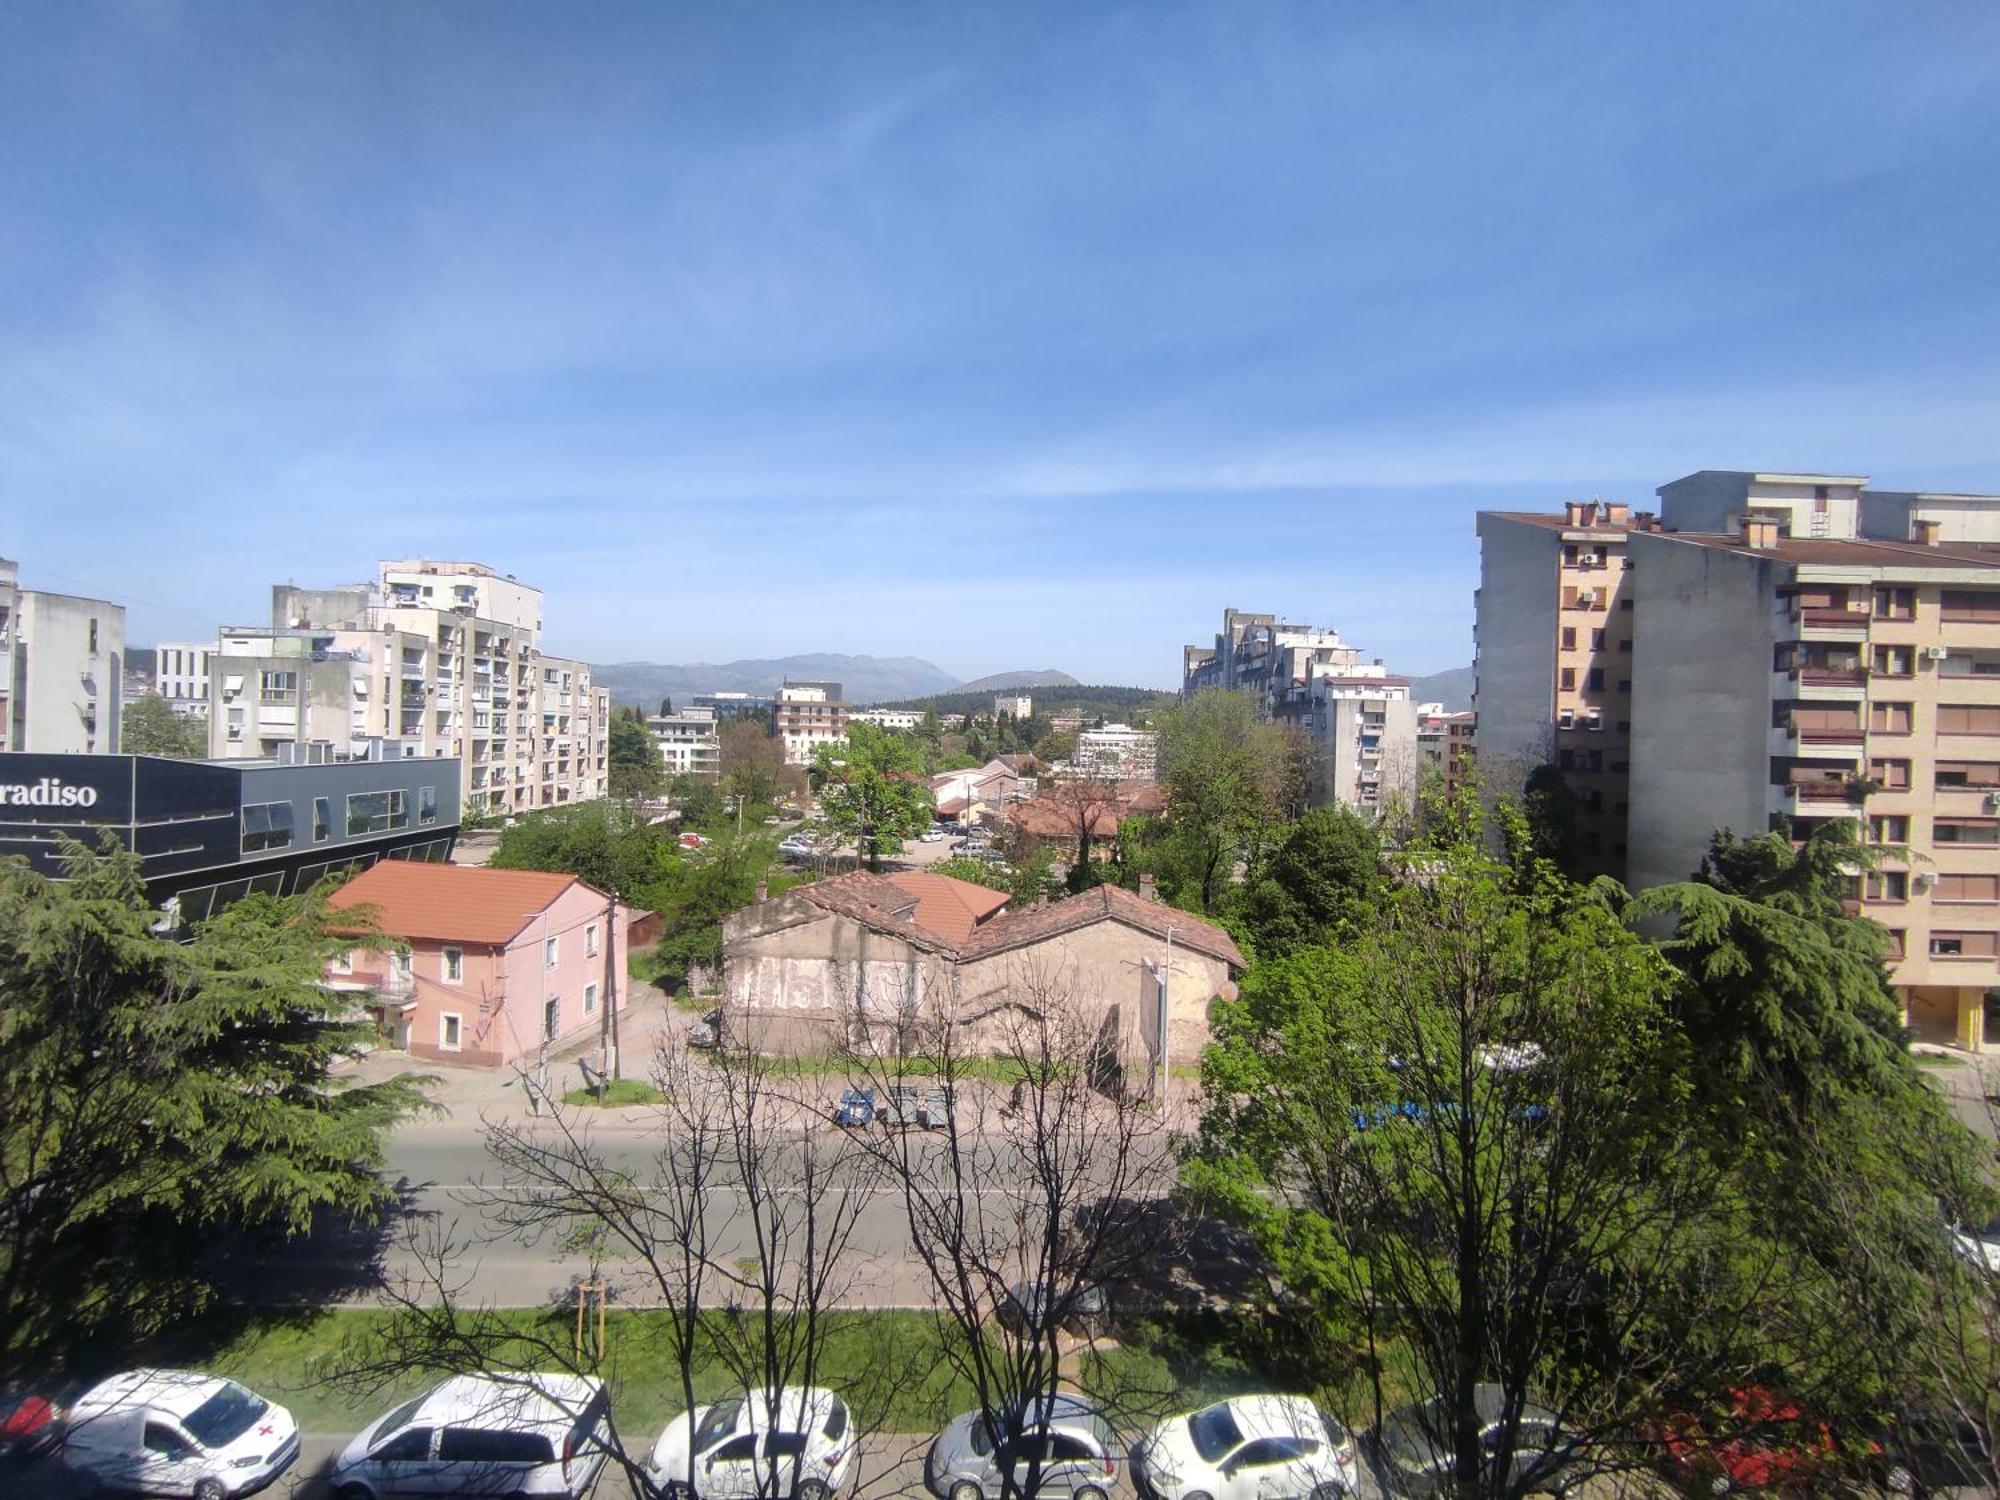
1024 678
862 679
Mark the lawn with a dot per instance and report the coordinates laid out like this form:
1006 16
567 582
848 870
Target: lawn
620 1091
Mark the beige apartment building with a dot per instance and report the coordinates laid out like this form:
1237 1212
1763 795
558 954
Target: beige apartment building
61 670
1781 650
806 716
433 659
1444 744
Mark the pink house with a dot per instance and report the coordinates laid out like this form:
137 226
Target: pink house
498 962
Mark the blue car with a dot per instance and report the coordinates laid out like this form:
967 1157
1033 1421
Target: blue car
856 1109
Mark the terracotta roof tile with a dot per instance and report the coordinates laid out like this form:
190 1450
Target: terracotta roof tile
1101 903
452 903
947 906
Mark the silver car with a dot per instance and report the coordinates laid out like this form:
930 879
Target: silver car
1078 1450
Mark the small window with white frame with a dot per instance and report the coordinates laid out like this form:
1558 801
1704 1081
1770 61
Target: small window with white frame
451 966
551 952
451 1031
590 940
343 961
590 999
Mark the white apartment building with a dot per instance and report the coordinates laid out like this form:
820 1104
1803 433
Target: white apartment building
1014 705
887 718
1118 750
1363 734
1271 659
806 716
690 741
62 687
433 659
180 674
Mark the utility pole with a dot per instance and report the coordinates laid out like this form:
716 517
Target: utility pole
1166 1015
608 1023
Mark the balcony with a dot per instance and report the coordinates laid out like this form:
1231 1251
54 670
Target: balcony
1831 617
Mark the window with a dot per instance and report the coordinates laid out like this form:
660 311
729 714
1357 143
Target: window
1595 681
451 965
375 812
1970 604
737 1450
450 1028
343 962
590 999
1893 661
1894 775
1597 640
277 687
494 1445
267 825
590 940
1888 718
1569 637
1896 940
1965 944
322 819
1894 830
1981 889
1886 885
551 952
1967 773
1895 604
1968 718
159 1438
552 1018
1965 831
412 1445
1569 679
93 635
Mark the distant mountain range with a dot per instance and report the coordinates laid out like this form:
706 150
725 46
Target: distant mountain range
862 679
1046 677
1452 688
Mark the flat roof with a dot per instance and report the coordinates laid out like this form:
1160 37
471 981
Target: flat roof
1854 552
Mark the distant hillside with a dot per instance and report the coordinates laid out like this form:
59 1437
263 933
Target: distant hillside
1093 702
862 679
1452 688
1047 677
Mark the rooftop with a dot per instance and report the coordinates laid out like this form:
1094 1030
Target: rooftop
947 906
452 903
1848 552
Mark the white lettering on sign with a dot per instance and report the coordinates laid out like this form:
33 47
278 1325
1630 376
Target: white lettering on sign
50 791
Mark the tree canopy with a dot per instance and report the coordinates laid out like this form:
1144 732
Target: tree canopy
149 727
636 768
1229 778
873 790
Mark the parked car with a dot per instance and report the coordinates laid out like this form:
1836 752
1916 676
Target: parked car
1414 1450
1763 1440
30 1423
509 1435
1248 1448
1076 1446
796 848
932 835
740 1448
856 1109
1080 1309
706 1033
1978 1245
176 1432
693 841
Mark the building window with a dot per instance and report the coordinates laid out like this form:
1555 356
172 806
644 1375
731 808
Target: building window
427 804
1888 718
1893 661
277 687
375 812
1886 885
1968 718
322 819
401 962
1896 942
1964 944
1895 830
1895 604
93 635
267 825
450 1028
1594 683
551 1018
1966 773
1980 605
590 940
1569 637
1597 640
343 961
551 953
590 999
1965 831
452 965
1971 889
1890 775
1568 682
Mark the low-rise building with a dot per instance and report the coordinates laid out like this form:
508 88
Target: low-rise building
806 716
690 741
728 705
1013 705
1117 751
62 673
864 961
1444 744
904 719
485 966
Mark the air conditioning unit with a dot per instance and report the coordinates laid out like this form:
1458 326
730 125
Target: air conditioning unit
1993 801
1586 597
1923 880
1936 653
1590 559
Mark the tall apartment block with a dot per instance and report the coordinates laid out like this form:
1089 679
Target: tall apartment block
1553 644
62 665
433 659
807 715
690 741
1357 718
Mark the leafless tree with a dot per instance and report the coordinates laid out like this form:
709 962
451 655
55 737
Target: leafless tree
1033 1198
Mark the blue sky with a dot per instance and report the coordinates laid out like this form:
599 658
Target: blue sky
1010 336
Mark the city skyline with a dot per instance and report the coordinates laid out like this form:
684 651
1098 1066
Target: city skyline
963 335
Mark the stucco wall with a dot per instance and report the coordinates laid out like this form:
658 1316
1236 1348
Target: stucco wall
1514 690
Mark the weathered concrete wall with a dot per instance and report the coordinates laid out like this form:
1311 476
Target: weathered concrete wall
1515 641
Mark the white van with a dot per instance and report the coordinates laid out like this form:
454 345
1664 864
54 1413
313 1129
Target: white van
174 1432
483 1435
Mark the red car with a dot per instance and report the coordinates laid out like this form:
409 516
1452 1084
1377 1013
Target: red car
1765 1441
29 1424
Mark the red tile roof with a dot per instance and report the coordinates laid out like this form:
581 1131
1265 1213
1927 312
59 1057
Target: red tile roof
453 903
1102 903
947 906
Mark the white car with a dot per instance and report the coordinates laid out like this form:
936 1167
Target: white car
1978 1245
1248 1448
174 1432
741 1451
932 836
483 1435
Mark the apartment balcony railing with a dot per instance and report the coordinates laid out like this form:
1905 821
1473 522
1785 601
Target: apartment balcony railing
1820 791
1836 616
1812 676
1852 735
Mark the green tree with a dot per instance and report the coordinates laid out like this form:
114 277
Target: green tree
604 843
1319 878
753 765
872 789
156 1096
149 727
1550 805
637 770
1228 777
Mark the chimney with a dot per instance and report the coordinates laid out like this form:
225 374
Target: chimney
1148 891
763 889
1575 513
1645 520
1925 533
1617 512
1759 531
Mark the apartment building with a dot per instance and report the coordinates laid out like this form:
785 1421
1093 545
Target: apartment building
180 674
1014 705
1363 738
731 705
433 659
1118 750
1553 639
1444 744
690 741
887 718
61 671
807 715
1272 660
